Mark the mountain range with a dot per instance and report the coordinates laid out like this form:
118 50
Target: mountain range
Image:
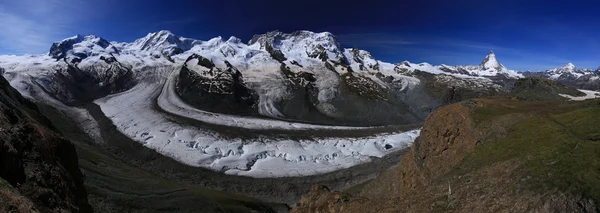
289 82
302 76
300 81
285 109
300 52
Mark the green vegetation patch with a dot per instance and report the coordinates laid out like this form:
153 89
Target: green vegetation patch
557 145
356 189
4 184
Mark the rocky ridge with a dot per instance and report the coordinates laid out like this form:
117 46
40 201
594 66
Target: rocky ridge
39 166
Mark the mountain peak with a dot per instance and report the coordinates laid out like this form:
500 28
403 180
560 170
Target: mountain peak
569 69
570 66
163 32
80 46
234 39
165 42
490 62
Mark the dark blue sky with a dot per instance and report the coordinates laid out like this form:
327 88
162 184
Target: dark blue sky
524 34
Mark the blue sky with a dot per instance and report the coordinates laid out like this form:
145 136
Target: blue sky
524 34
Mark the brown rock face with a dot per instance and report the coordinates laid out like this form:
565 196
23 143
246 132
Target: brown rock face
38 163
16 203
447 135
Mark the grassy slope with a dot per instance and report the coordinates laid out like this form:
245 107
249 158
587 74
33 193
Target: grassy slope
557 145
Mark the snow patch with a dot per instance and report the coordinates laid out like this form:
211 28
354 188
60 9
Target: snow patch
589 94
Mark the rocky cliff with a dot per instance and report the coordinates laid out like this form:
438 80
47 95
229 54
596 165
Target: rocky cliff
39 170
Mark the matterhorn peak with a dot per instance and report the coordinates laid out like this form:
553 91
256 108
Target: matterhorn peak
490 62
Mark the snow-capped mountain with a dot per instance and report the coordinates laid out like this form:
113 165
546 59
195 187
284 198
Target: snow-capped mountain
163 42
282 71
491 63
489 67
79 47
235 92
300 46
567 71
569 74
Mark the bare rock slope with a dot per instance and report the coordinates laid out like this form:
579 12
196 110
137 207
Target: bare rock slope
39 170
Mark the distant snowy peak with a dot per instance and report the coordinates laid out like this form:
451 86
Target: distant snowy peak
80 47
569 68
490 62
489 67
299 46
568 71
164 42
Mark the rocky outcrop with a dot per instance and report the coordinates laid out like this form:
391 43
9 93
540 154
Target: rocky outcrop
73 84
210 88
39 165
447 136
